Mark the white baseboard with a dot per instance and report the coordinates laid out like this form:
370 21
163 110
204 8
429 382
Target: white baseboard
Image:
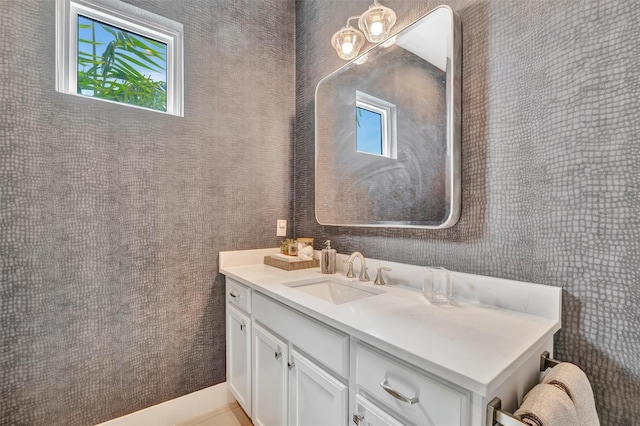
178 409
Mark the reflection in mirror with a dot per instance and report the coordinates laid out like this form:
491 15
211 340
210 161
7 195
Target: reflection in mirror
388 131
375 126
368 131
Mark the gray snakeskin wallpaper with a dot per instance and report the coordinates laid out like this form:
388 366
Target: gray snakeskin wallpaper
550 160
112 217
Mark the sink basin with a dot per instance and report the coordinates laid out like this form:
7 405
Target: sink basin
333 291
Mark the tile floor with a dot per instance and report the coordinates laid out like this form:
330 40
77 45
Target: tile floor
229 415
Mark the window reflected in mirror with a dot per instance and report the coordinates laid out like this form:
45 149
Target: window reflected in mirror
375 126
368 131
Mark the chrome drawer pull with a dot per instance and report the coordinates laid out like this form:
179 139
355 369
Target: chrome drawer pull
233 294
357 418
397 395
278 355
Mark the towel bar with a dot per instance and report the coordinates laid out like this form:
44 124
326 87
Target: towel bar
546 362
495 414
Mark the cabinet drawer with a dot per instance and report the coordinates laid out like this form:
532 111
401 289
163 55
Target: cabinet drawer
367 414
238 294
326 345
434 402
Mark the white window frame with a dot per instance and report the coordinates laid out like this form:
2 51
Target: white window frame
126 17
387 112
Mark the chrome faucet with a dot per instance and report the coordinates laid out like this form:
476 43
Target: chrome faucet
363 270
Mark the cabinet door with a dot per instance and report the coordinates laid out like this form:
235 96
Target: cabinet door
270 356
239 357
315 397
367 414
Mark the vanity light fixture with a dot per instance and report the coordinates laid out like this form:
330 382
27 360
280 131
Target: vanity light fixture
376 22
348 41
375 25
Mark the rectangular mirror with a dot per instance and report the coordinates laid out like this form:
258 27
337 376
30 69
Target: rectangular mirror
388 131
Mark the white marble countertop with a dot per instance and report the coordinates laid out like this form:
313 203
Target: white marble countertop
471 344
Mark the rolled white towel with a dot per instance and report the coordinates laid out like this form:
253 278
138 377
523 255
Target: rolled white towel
305 253
575 383
547 405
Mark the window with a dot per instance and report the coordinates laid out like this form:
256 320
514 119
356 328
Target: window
375 126
369 131
116 52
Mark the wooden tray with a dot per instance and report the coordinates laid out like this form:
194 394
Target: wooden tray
291 265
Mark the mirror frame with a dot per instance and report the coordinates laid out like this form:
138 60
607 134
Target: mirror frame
453 125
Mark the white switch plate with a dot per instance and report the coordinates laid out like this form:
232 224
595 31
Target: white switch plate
281 228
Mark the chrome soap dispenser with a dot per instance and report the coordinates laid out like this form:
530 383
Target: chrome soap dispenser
328 259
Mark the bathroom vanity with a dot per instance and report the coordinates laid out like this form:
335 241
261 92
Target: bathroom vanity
307 348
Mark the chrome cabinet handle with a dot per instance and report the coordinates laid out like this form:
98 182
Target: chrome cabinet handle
234 294
242 327
397 395
278 355
291 364
357 418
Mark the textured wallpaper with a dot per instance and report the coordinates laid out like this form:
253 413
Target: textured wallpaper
550 160
112 217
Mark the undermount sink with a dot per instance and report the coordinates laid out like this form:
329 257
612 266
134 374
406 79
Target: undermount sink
333 291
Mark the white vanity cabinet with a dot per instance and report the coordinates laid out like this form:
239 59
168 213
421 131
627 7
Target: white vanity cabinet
239 343
387 359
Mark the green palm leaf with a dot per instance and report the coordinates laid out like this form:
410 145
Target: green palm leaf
145 58
118 73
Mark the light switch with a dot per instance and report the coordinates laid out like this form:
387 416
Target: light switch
281 228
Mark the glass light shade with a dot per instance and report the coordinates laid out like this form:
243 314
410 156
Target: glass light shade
348 42
376 22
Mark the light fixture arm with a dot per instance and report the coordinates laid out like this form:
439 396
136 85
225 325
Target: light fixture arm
351 18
